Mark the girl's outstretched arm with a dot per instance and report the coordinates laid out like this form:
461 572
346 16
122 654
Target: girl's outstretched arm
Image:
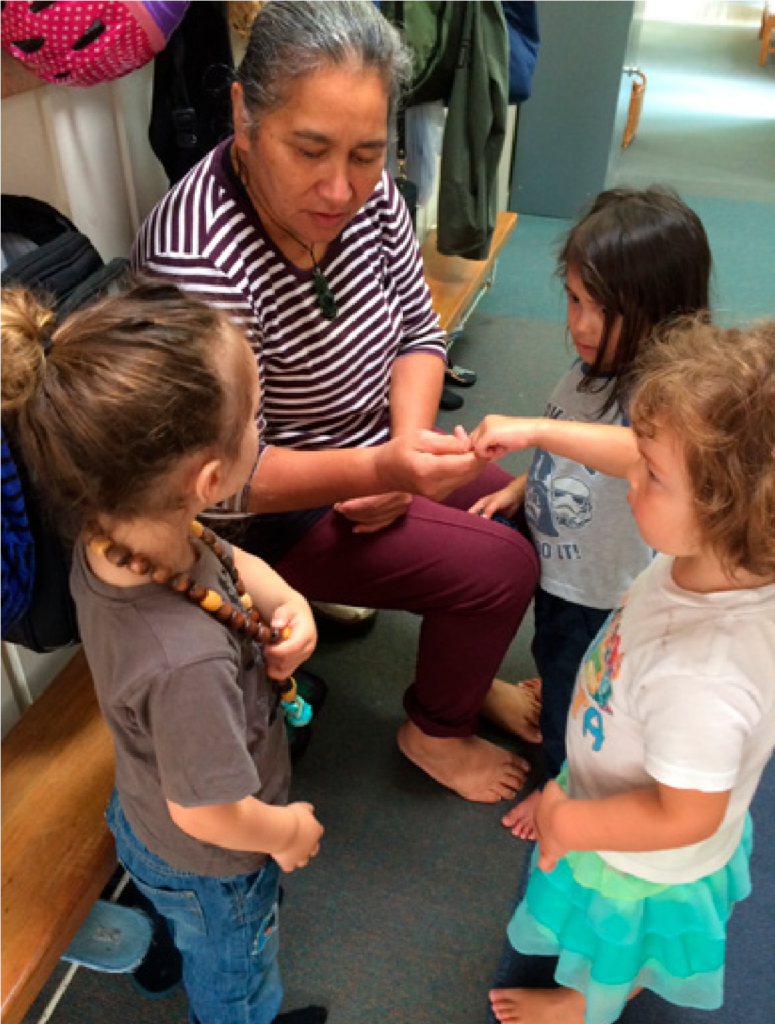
654 817
610 449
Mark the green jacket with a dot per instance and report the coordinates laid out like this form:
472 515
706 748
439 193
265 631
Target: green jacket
461 54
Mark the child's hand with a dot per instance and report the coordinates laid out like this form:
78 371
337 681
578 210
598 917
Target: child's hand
306 839
497 435
504 501
284 658
550 850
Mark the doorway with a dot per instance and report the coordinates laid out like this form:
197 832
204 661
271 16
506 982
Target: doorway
708 122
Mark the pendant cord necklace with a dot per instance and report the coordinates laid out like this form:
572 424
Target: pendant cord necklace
324 297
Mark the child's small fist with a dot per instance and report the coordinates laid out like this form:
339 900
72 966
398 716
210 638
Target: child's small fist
306 839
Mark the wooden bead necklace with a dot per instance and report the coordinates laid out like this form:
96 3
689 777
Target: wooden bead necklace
244 620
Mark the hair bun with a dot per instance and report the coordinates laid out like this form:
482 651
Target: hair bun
27 328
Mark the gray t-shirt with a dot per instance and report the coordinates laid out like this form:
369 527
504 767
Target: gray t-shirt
192 714
586 538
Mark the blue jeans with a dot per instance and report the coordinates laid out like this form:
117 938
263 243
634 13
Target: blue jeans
227 930
563 632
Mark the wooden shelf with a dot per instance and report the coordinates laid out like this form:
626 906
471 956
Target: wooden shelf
455 283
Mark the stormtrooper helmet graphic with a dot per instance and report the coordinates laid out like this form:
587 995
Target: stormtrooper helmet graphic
571 502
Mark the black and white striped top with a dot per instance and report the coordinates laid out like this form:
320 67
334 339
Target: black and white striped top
324 384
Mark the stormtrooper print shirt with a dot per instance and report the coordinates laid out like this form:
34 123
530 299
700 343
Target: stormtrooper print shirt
587 542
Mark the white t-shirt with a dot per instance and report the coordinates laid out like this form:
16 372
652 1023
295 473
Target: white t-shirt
678 688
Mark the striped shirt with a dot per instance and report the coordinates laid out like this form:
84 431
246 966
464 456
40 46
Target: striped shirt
324 383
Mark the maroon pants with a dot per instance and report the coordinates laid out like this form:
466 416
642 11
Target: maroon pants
470 579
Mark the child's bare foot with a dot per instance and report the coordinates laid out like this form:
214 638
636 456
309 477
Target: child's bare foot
537 1005
474 768
515 707
521 819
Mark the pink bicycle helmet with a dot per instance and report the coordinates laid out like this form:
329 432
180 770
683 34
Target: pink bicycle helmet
78 42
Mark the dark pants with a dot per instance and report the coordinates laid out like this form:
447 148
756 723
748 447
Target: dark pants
470 579
563 633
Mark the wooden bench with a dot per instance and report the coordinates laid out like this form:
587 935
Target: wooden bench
57 762
456 284
57 851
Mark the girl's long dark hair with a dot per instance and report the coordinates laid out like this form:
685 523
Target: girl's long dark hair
642 255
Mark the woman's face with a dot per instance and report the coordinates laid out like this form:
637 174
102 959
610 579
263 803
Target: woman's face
314 162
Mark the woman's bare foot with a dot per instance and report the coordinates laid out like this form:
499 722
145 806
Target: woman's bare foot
521 819
537 1005
474 768
515 707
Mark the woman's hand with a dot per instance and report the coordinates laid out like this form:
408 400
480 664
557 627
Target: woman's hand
305 840
427 462
550 849
375 512
497 435
506 501
284 658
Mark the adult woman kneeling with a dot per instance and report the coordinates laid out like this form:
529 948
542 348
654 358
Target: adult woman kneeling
294 227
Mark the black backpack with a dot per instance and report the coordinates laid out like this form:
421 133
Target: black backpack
45 252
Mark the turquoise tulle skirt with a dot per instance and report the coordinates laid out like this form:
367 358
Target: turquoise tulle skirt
612 932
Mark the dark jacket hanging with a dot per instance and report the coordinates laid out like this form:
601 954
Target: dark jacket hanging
474 134
191 108
461 53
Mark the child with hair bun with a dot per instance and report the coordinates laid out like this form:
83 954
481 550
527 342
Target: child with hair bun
134 415
644 841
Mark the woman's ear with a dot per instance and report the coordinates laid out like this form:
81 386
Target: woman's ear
239 117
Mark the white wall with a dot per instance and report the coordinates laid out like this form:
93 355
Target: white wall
86 152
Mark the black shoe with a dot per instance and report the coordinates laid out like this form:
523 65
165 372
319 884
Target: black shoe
449 400
161 972
307 1015
460 376
299 738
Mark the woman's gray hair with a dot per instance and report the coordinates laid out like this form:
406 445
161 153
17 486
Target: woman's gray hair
294 38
